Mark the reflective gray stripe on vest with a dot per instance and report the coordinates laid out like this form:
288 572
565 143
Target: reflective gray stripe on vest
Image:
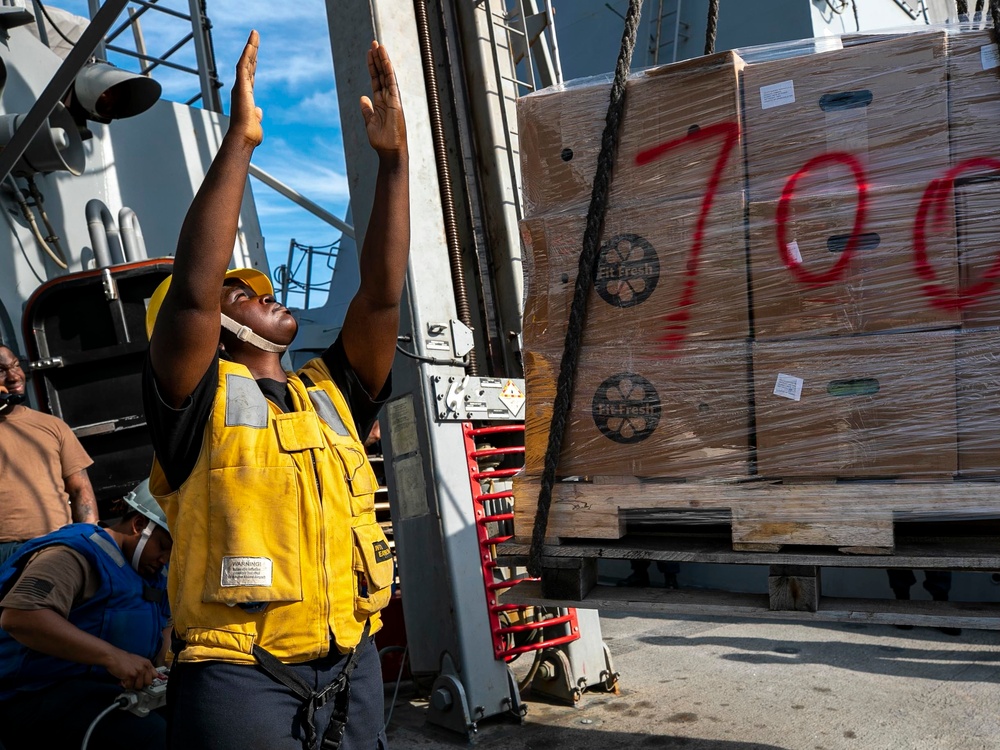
109 547
245 404
327 412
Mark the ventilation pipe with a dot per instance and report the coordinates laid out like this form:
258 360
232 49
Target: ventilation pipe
104 237
131 232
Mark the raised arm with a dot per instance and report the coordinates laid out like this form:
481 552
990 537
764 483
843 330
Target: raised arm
187 328
372 321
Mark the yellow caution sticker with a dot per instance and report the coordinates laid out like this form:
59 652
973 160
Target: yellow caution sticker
512 397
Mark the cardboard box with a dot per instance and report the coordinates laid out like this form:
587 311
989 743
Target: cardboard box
642 274
638 413
974 95
978 374
560 136
866 406
977 216
884 102
879 289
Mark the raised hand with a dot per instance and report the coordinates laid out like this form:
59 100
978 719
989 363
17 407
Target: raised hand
383 112
245 116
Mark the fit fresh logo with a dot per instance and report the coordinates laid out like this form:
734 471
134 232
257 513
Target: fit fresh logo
628 270
626 408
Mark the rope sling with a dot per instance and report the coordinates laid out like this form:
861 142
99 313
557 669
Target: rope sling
588 268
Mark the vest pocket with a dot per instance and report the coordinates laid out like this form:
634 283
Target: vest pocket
253 536
360 479
220 638
373 569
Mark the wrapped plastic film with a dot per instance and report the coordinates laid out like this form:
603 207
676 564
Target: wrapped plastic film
794 317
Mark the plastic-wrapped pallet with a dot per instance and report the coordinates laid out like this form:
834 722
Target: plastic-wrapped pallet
794 315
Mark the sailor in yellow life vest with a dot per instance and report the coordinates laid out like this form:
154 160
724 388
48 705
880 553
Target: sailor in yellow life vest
279 569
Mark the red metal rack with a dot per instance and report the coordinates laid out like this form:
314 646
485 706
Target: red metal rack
528 618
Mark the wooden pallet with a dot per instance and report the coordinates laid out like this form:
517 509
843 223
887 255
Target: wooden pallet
569 578
856 517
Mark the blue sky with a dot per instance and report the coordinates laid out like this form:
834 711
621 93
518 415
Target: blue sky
295 87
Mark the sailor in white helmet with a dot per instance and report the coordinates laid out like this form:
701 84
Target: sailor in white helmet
84 614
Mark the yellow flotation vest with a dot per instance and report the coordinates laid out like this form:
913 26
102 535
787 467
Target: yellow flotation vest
277 515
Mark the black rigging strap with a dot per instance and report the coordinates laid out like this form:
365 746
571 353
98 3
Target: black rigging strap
584 281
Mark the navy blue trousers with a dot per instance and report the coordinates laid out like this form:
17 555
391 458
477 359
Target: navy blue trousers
218 706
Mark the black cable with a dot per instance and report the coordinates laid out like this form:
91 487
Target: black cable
712 27
52 23
995 13
854 4
430 360
584 281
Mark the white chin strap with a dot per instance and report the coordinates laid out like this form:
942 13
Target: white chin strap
141 545
245 333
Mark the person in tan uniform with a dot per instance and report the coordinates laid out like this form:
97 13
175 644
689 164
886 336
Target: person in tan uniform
43 468
83 615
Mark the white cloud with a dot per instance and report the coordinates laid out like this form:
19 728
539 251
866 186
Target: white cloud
318 109
295 70
309 169
261 13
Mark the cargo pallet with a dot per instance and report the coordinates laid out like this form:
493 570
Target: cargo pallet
569 578
763 515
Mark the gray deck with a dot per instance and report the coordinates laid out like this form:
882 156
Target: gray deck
724 684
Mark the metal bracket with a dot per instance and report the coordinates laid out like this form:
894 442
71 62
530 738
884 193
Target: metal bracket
461 399
554 677
109 284
449 707
47 363
462 339
15 13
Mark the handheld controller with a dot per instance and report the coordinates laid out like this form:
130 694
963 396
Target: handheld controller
150 698
9 400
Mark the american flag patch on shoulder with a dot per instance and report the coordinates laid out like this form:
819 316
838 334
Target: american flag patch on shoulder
33 588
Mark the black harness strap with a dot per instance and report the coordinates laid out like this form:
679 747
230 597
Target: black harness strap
339 690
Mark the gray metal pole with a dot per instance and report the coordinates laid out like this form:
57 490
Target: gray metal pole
43 35
140 41
206 58
296 197
95 8
60 83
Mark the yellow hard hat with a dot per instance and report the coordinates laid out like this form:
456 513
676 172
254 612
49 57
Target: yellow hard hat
256 280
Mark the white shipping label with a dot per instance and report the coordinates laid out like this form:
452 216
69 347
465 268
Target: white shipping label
788 386
793 251
246 571
776 94
989 56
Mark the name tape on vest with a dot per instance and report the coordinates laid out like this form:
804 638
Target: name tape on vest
382 551
246 571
